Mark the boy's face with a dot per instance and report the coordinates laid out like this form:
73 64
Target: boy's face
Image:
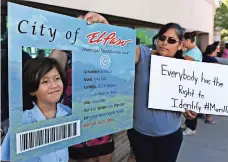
50 88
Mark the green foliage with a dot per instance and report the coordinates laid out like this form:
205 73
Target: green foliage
34 51
145 35
224 35
221 16
221 19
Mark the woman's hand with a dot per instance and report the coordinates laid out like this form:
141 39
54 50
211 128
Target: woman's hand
93 17
189 114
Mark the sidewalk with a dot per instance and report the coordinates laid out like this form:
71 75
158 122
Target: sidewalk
210 144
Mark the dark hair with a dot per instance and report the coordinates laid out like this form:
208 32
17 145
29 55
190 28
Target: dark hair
179 31
210 48
33 71
153 42
216 43
137 41
190 35
179 54
4 85
4 44
226 45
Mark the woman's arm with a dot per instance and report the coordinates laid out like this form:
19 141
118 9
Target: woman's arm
137 54
189 58
60 56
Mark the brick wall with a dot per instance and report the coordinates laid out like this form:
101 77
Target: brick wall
122 147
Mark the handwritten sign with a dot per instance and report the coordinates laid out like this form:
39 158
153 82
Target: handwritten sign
103 68
179 85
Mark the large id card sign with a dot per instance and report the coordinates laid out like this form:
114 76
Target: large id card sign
179 85
103 68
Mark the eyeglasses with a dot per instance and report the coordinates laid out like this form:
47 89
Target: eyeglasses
170 40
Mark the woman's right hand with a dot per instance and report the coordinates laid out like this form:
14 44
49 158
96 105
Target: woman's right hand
93 17
190 115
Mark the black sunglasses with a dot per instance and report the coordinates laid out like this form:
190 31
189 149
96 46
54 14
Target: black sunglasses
170 40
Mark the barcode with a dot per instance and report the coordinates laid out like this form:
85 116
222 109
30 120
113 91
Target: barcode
45 136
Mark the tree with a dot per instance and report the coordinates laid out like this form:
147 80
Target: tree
221 16
221 19
224 35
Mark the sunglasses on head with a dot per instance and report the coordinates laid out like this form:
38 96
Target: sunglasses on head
170 40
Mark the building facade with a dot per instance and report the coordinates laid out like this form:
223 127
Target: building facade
193 15
197 15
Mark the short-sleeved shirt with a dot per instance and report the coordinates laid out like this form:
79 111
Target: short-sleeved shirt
223 61
194 53
32 116
148 121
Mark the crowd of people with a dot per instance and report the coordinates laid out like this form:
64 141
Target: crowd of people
156 135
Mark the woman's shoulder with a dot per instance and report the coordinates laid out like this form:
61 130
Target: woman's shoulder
194 53
198 50
144 53
144 49
194 50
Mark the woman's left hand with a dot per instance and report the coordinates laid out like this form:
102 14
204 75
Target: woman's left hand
189 114
93 17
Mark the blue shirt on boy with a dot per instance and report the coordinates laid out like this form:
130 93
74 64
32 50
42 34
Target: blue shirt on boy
35 115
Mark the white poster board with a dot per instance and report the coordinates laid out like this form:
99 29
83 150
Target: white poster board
177 85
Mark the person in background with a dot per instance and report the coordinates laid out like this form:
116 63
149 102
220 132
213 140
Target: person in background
40 53
156 135
192 53
225 52
209 56
222 60
218 48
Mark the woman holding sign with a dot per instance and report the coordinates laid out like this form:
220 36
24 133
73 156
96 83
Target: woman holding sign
156 134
